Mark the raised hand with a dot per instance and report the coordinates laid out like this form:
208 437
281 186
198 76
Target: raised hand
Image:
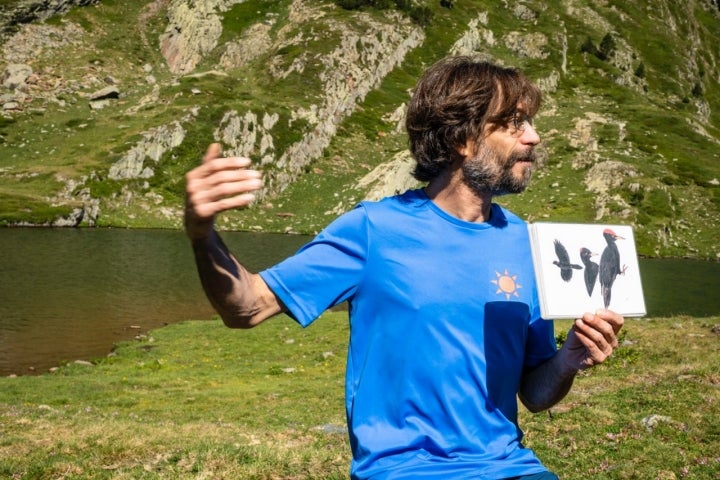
219 184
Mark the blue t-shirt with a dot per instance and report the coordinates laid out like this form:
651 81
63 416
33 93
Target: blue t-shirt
444 317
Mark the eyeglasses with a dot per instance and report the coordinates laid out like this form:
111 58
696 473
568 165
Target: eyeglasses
519 122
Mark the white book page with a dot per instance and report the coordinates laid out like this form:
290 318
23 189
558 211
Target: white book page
567 283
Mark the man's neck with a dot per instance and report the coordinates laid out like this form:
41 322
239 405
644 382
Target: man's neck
453 196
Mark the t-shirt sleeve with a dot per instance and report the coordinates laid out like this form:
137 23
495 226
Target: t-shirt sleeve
541 344
325 272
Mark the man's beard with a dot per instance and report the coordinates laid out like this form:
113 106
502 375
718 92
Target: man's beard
486 172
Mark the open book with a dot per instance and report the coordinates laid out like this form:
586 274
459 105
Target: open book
583 267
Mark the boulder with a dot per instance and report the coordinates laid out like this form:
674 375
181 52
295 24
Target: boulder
15 75
193 31
106 93
11 106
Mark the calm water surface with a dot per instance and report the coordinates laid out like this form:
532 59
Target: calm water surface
68 294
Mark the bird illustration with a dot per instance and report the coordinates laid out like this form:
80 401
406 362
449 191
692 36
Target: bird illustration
563 262
591 269
609 265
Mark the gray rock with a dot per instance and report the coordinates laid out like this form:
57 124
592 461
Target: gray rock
653 421
106 93
99 104
15 75
7 97
31 10
154 144
72 220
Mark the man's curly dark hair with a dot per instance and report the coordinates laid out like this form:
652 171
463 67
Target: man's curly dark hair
453 102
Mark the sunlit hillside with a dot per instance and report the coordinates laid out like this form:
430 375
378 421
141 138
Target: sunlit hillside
107 104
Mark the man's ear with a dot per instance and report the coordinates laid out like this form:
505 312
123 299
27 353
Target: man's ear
465 150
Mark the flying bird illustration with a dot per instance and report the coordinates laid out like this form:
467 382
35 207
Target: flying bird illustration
591 269
563 262
609 265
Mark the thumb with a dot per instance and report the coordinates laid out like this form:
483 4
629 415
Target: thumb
213 151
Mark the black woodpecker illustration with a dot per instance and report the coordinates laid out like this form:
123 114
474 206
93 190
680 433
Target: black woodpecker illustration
591 269
609 265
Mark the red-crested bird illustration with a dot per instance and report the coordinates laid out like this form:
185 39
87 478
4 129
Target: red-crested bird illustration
609 265
563 262
591 269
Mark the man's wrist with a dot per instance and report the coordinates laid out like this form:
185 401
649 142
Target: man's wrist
200 234
567 368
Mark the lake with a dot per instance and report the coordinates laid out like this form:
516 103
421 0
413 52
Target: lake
69 294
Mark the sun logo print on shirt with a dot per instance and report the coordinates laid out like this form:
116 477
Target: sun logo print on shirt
507 284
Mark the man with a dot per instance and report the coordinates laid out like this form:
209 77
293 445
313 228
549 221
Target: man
445 325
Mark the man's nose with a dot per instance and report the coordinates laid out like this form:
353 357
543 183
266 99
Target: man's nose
529 135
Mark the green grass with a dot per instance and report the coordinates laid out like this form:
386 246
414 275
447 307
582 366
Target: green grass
190 399
604 428
198 400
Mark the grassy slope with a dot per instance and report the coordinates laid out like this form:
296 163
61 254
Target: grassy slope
197 400
674 203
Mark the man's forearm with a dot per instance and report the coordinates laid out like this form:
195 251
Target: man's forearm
241 298
590 341
547 384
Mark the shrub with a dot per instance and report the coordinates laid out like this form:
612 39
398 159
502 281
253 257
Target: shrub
421 15
640 70
607 47
351 4
589 47
697 90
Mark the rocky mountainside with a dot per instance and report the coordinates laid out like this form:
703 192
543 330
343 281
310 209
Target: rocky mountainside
105 105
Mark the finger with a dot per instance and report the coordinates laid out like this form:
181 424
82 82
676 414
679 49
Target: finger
213 190
226 189
213 151
594 352
210 209
598 334
236 177
601 324
201 188
615 319
211 166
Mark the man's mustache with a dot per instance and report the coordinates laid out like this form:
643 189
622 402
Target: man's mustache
528 156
